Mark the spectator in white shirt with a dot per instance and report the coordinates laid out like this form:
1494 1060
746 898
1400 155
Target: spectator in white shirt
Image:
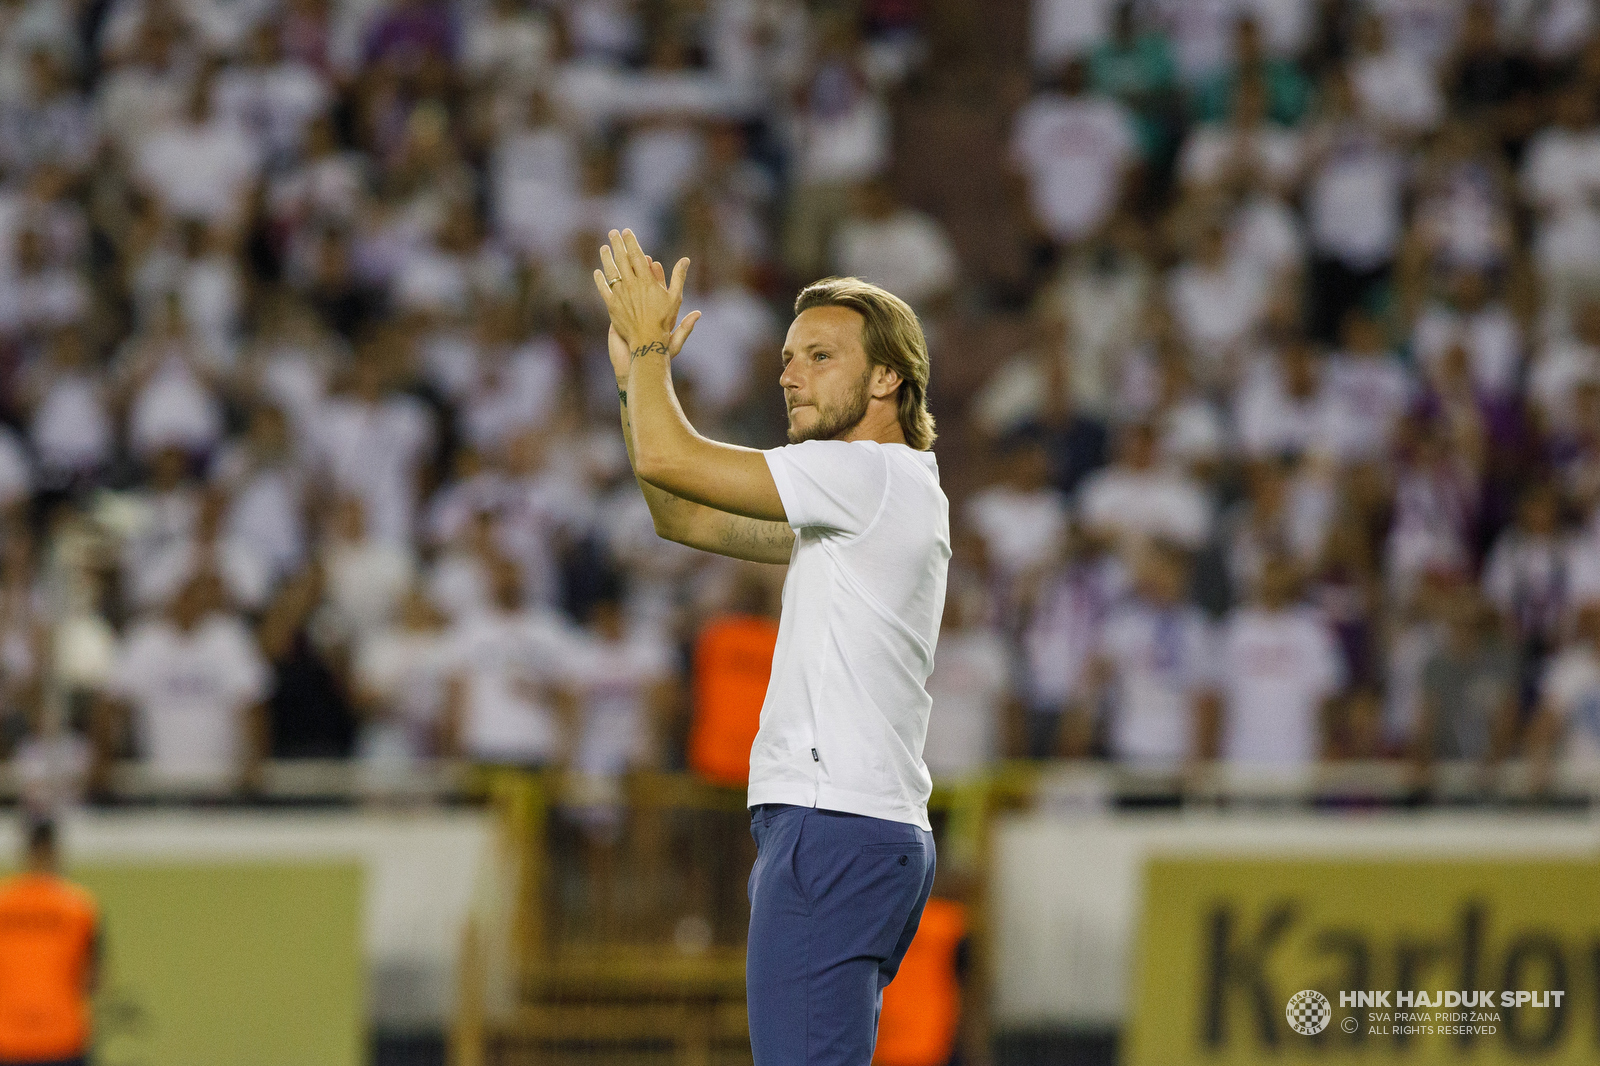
1395 89
1136 500
1567 361
169 377
1528 575
1063 611
1275 404
400 676
620 677
202 165
1073 150
1246 145
1561 165
270 98
1022 518
1280 668
1365 392
970 687
1285 515
1156 663
841 136
1565 734
69 426
373 440
1353 209
266 512
736 330
366 575
508 691
889 244
1217 301
1481 324
195 681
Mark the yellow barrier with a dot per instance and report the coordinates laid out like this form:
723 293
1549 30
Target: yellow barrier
1399 963
630 948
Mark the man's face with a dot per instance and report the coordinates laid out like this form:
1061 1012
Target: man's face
826 378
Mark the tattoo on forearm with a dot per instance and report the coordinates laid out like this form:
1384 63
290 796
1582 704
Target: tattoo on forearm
622 394
751 533
646 349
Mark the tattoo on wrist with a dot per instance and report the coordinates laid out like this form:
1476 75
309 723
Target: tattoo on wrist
646 349
622 394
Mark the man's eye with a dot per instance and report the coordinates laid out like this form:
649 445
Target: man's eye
820 356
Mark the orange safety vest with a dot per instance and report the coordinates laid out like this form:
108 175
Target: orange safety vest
47 944
922 1005
732 665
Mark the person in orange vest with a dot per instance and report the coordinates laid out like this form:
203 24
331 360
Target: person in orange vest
732 667
921 1021
49 960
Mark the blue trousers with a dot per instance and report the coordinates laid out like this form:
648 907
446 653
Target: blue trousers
835 899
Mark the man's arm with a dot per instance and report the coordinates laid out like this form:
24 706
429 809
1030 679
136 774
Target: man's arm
695 524
668 453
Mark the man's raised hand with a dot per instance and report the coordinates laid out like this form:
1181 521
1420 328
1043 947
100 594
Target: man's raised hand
642 304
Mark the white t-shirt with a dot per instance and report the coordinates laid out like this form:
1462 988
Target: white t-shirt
1572 689
613 679
1561 167
1267 418
1136 504
969 689
846 711
199 171
1022 530
1397 89
1073 151
735 323
407 670
1216 308
1353 208
1277 668
1363 399
1162 661
504 657
1274 153
908 253
1491 337
71 427
189 692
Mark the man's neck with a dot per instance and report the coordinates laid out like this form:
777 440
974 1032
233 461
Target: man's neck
875 427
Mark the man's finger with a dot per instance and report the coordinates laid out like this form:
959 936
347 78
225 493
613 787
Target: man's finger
680 273
605 290
608 263
635 253
619 256
681 334
659 271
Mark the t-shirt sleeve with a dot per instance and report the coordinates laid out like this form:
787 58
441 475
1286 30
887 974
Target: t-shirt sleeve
830 484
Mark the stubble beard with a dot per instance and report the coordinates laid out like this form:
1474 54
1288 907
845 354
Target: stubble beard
834 421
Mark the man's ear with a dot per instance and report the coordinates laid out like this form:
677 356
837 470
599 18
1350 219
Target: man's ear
884 381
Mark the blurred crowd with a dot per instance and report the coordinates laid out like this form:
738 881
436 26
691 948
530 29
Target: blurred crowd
309 446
